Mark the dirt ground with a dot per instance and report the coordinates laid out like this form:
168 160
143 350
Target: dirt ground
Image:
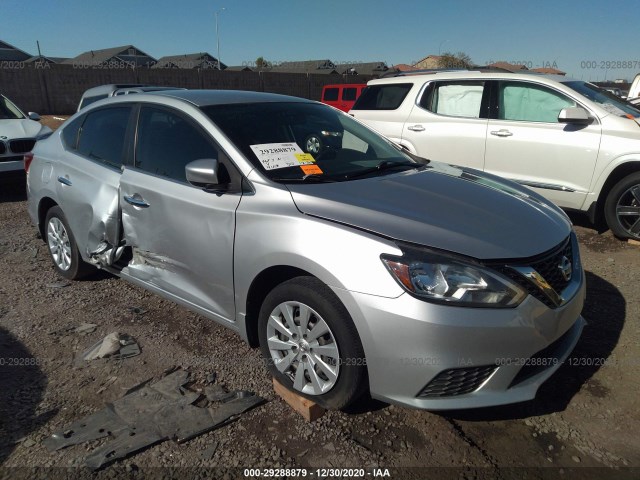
583 424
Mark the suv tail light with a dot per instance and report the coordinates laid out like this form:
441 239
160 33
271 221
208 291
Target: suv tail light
28 158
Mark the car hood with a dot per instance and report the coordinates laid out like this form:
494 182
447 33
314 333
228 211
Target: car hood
21 128
442 206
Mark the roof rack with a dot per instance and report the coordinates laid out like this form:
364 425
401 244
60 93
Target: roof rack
444 70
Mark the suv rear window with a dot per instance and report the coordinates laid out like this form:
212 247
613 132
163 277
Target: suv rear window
331 94
349 94
383 97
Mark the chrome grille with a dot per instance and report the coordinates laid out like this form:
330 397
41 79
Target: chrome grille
457 381
22 145
547 265
3 148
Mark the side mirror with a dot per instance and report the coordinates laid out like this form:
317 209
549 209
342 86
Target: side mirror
574 115
202 173
34 116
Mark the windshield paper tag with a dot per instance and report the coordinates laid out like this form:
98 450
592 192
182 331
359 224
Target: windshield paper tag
311 169
281 155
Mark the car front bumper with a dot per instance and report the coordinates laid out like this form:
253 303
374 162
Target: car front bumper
492 356
13 163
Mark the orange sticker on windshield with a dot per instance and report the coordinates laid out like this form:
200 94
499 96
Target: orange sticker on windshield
311 169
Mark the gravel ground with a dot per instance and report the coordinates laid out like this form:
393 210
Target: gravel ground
585 416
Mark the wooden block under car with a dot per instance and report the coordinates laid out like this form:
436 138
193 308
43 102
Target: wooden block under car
631 241
310 410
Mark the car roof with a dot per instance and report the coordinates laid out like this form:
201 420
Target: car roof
203 98
106 89
462 74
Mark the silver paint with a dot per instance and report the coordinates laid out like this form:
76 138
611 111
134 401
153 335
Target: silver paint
206 250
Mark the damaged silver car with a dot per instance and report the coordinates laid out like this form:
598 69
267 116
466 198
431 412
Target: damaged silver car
356 267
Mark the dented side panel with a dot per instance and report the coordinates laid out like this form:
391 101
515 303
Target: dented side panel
182 242
88 194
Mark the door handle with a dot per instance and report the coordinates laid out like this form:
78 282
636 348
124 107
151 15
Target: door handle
501 133
416 128
136 200
65 181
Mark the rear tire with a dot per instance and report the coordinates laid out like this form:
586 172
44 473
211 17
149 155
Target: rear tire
62 246
622 207
310 343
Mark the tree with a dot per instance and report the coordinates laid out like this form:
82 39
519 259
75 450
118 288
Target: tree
455 60
261 63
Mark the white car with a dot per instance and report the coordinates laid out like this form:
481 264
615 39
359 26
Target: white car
566 139
18 135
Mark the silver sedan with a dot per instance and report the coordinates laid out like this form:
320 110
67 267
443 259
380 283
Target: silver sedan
356 268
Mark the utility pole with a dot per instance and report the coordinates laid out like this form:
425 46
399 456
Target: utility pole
218 35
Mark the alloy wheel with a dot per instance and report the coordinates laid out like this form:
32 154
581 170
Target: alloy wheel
59 244
313 145
628 211
303 347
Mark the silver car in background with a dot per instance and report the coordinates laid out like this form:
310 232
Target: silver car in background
359 267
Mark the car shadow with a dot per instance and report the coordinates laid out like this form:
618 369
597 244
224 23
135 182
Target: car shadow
22 387
605 311
13 187
581 219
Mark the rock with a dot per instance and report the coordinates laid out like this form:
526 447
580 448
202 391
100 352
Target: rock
28 443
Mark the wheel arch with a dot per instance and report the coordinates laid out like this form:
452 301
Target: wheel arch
45 204
617 174
260 287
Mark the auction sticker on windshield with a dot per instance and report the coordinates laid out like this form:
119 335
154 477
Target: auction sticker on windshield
281 155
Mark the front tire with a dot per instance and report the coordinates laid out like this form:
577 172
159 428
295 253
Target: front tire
313 144
62 246
311 344
622 207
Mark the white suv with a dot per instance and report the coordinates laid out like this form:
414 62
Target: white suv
570 141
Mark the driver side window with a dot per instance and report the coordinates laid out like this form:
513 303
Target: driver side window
528 102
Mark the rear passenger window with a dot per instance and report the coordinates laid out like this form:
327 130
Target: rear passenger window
102 135
331 94
349 94
454 99
70 133
167 142
383 97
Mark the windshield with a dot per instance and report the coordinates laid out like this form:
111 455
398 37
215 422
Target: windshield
8 111
606 100
292 142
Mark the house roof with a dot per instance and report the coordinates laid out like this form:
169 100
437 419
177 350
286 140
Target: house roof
549 71
368 68
435 57
403 67
239 68
98 57
189 61
508 66
10 53
43 58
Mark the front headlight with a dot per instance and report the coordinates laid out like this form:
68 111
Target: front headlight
327 133
439 278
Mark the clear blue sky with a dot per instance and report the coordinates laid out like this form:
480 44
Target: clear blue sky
562 33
